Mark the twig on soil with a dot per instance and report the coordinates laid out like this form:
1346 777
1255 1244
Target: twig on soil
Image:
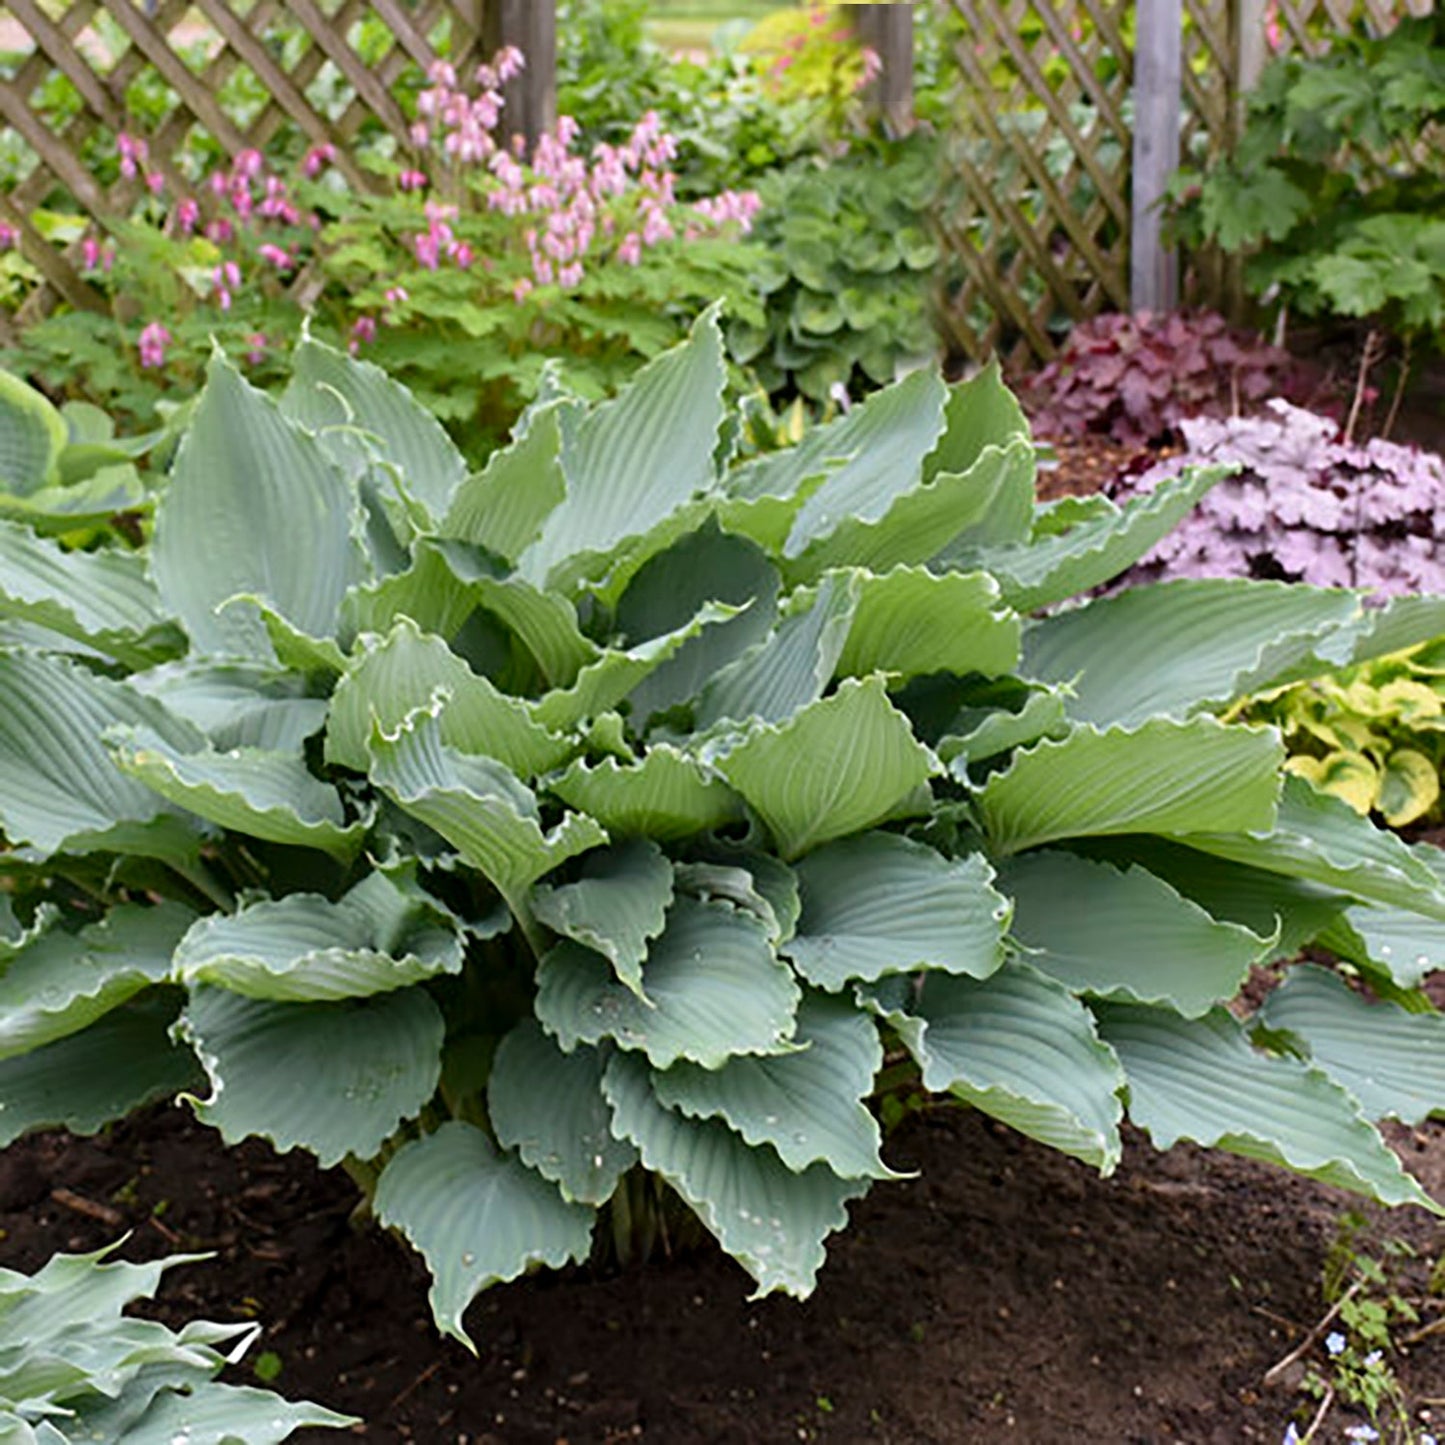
415 1385
1272 1375
1278 1319
79 1204
1435 1327
1319 1418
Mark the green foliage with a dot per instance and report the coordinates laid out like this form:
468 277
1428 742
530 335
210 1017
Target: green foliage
75 1368
1330 190
541 839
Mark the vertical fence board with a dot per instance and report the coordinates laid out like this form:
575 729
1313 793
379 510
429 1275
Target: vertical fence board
1158 94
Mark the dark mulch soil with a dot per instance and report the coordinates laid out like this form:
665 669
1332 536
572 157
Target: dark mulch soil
1006 1293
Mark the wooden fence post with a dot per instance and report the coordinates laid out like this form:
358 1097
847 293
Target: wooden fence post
530 25
888 30
1154 270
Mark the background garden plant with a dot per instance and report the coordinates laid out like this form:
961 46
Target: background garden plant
611 813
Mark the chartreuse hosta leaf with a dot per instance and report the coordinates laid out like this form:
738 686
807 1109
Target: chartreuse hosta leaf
254 506
390 677
635 460
1124 934
60 982
1172 649
376 938
617 906
712 985
1199 1079
263 794
548 1106
86 1080
807 1105
237 705
1161 777
478 1217
837 767
333 1078
771 1219
480 807
1391 1060
1020 1047
880 904
663 794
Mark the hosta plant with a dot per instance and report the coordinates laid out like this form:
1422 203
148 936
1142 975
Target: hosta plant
75 1369
531 838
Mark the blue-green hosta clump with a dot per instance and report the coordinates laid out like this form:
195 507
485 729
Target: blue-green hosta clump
618 810
75 1369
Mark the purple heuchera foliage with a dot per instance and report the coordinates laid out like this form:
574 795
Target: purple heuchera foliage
1306 506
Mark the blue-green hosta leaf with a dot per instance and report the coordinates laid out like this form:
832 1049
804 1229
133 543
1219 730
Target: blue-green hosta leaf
1402 622
502 507
32 436
1391 1060
791 666
427 590
987 732
55 511
1036 573
910 622
480 807
706 566
214 1414
303 948
1394 941
263 794
292 647
712 983
616 907
479 1218
1161 777
61 982
1172 649
1021 1047
548 1106
663 794
332 1078
1125 934
837 767
254 506
1199 1079
881 904
981 413
103 599
1323 840
772 1220
333 394
392 676
59 789
635 460
807 1105
236 705
729 883
87 1080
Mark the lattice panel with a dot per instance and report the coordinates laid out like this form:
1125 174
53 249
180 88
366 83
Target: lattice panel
1310 24
318 68
1040 224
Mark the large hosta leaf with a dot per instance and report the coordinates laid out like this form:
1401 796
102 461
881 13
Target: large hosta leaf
32 436
60 982
1169 650
1161 777
981 413
263 794
881 904
213 1414
548 1106
1391 1060
254 506
86 1080
1125 934
712 984
237 705
1320 839
772 1220
1199 1079
663 794
426 589
1018 1046
978 733
478 1217
807 1105
635 460
391 677
477 805
837 767
303 948
545 623
333 1078
1393 941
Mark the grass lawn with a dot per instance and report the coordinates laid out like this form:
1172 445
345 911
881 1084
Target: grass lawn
691 24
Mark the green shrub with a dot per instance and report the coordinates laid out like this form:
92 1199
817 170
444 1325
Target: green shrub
74 1369
607 816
